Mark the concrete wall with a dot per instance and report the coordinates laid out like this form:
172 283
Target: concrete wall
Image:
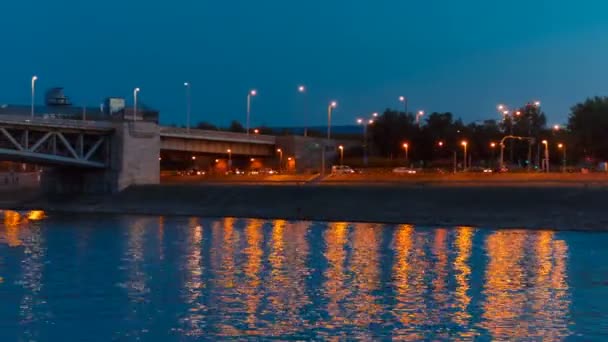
135 153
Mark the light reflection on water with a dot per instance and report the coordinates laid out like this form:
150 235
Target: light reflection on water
175 278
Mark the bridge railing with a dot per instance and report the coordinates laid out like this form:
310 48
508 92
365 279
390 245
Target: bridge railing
217 135
54 122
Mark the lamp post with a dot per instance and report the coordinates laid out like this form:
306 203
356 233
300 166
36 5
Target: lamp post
135 93
341 154
418 116
188 105
406 147
366 123
546 143
229 159
404 100
464 145
563 148
302 90
493 147
280 152
330 108
34 79
537 104
250 94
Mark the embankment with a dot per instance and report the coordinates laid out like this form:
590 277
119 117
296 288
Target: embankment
542 206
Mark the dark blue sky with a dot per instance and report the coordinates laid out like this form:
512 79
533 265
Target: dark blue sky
445 55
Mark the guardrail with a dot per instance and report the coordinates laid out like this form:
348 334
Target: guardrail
54 122
217 135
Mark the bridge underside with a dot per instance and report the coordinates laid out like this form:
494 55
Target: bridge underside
217 147
53 146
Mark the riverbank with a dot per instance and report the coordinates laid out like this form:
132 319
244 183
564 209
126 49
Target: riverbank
536 207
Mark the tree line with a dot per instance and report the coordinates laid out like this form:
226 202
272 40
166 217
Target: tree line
435 140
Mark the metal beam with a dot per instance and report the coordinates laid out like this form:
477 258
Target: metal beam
11 139
40 142
67 145
43 157
94 148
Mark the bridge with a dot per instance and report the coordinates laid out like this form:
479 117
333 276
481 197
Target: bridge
216 142
108 156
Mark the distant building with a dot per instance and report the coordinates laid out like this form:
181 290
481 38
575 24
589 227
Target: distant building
58 105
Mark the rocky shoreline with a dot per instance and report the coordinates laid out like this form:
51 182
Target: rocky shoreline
539 207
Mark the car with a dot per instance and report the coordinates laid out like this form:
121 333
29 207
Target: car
268 171
342 170
404 171
480 169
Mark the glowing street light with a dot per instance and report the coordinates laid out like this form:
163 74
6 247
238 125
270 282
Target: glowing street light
256 131
188 105
440 144
418 116
34 79
250 94
280 152
193 157
406 146
366 123
464 144
135 93
341 154
302 90
330 108
404 100
556 128
229 151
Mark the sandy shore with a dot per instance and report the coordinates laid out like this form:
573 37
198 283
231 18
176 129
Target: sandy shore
573 207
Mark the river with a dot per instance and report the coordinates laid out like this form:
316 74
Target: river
102 278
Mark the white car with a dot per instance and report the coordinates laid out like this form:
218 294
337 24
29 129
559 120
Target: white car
342 170
404 171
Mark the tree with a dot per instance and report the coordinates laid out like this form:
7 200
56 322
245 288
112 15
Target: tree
236 126
588 124
206 125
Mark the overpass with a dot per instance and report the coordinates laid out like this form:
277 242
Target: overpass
110 155
216 142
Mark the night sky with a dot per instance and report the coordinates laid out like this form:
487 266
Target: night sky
444 55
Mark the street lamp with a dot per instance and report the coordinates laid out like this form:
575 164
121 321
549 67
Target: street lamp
556 128
546 143
280 152
229 159
493 147
135 93
406 146
418 116
563 148
256 131
330 109
188 105
302 90
464 145
341 155
366 123
251 93
404 100
34 79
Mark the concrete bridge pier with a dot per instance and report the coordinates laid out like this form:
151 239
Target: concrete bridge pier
132 158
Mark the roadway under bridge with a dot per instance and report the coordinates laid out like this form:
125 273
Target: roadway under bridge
108 156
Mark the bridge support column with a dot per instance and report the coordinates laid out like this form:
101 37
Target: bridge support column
133 159
135 154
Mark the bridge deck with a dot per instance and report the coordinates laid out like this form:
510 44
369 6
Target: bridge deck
63 124
199 134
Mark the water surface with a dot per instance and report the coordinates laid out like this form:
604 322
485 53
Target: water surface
164 278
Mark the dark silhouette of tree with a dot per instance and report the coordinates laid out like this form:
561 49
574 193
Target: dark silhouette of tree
236 126
588 124
207 126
